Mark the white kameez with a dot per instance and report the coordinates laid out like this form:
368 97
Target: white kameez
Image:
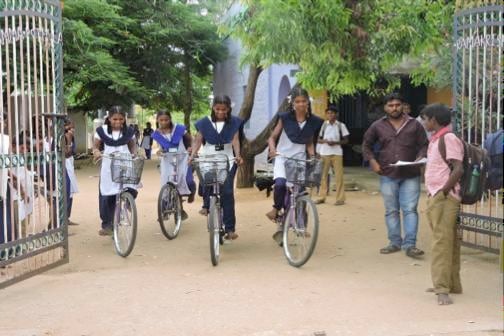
286 148
167 165
69 164
25 180
209 149
107 186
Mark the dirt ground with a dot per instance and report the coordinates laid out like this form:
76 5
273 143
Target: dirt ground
170 287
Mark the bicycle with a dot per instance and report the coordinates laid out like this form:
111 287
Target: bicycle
169 199
298 224
212 170
125 169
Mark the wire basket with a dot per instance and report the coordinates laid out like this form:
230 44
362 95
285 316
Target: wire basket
212 169
126 170
306 173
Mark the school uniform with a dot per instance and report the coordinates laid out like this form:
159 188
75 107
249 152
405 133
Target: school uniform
332 156
48 175
173 143
442 213
70 168
218 137
116 142
293 140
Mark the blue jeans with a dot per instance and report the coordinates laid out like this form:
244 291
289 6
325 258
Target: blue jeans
227 200
401 194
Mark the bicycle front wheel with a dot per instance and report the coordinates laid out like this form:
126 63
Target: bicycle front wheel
214 230
125 224
300 231
169 211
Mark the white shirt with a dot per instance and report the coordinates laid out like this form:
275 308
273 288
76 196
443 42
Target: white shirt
209 149
4 150
333 132
167 166
286 148
107 186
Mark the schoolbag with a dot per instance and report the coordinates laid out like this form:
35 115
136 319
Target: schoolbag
474 158
493 145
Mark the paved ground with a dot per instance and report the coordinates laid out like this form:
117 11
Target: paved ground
170 288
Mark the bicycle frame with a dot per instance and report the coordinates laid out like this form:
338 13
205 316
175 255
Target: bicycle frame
216 194
174 159
289 205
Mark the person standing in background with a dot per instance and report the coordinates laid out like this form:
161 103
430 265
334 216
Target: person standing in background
69 164
332 135
147 140
401 138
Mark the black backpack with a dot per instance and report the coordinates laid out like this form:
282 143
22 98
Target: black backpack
493 145
476 160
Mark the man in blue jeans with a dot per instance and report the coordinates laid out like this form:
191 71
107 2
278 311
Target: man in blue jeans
400 138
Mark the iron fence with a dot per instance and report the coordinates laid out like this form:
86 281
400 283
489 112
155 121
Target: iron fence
33 231
477 91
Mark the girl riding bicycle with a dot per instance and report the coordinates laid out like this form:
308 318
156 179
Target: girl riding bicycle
295 132
116 137
174 138
219 134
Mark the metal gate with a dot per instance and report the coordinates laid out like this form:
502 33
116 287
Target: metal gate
477 90
33 231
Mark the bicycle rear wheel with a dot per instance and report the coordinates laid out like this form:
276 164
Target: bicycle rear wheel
169 211
300 231
125 224
214 231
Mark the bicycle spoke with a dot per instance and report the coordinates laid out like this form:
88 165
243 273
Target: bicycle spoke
300 232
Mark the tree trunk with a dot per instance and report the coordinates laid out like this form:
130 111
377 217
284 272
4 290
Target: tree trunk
254 147
188 88
245 177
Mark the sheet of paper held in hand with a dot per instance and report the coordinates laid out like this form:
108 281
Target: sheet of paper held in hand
409 163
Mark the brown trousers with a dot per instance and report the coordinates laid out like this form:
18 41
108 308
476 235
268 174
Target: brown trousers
442 213
335 161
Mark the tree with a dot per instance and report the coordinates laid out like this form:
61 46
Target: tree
93 77
341 46
176 45
148 52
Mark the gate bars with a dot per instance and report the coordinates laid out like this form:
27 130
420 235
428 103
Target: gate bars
477 91
33 231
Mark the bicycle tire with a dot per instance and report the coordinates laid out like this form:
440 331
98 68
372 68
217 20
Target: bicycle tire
169 226
125 224
300 238
214 231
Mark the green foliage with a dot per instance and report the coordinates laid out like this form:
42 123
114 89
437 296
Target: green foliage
149 52
347 46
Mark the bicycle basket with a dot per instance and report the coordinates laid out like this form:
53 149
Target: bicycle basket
126 170
212 169
313 173
302 172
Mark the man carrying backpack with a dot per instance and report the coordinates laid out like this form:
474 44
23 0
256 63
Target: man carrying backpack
332 135
442 180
